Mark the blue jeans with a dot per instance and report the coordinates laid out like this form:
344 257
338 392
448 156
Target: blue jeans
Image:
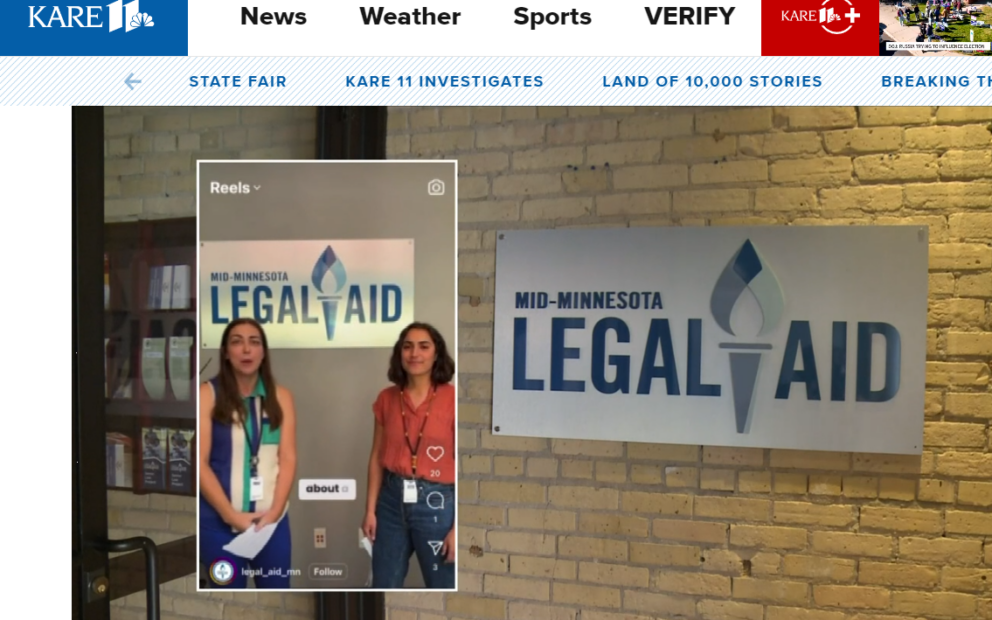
269 569
404 529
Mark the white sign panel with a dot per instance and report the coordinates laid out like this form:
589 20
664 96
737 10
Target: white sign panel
308 294
808 338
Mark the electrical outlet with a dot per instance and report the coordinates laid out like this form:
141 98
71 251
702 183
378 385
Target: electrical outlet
319 538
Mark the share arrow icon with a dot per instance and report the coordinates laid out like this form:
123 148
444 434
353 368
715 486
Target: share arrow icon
435 545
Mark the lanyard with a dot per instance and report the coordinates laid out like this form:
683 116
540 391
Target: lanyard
414 449
253 437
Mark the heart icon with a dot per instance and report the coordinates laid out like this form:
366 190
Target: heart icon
435 453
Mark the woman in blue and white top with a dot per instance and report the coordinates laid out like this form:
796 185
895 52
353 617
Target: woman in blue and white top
247 461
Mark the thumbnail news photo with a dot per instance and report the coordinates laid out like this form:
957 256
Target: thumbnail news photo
935 27
327 402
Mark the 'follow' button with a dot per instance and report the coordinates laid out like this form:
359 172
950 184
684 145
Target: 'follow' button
327 489
328 571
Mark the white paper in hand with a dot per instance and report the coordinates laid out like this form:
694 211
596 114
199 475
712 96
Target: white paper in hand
365 544
249 543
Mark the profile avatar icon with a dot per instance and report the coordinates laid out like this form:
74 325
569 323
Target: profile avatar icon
222 572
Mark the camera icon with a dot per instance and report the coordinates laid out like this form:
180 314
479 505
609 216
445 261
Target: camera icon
435 188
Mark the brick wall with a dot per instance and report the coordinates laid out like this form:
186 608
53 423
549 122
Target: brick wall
553 529
150 167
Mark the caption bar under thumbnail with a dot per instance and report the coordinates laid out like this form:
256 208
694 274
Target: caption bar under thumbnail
963 46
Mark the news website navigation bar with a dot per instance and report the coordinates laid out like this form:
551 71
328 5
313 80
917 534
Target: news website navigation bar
501 28
498 28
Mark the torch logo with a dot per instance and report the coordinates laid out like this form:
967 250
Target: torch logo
746 271
328 261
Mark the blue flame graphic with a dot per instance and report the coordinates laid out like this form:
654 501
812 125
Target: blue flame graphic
746 270
328 261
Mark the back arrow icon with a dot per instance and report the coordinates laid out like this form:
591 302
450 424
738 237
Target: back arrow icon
130 82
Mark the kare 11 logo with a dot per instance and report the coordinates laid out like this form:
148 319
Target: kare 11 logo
306 294
746 271
119 15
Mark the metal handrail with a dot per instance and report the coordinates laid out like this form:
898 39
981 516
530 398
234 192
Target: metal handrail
148 546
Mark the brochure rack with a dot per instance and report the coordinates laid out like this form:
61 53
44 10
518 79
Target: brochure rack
151 366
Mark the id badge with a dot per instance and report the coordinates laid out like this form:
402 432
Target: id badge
256 489
409 491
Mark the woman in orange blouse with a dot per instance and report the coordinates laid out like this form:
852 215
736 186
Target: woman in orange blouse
411 497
